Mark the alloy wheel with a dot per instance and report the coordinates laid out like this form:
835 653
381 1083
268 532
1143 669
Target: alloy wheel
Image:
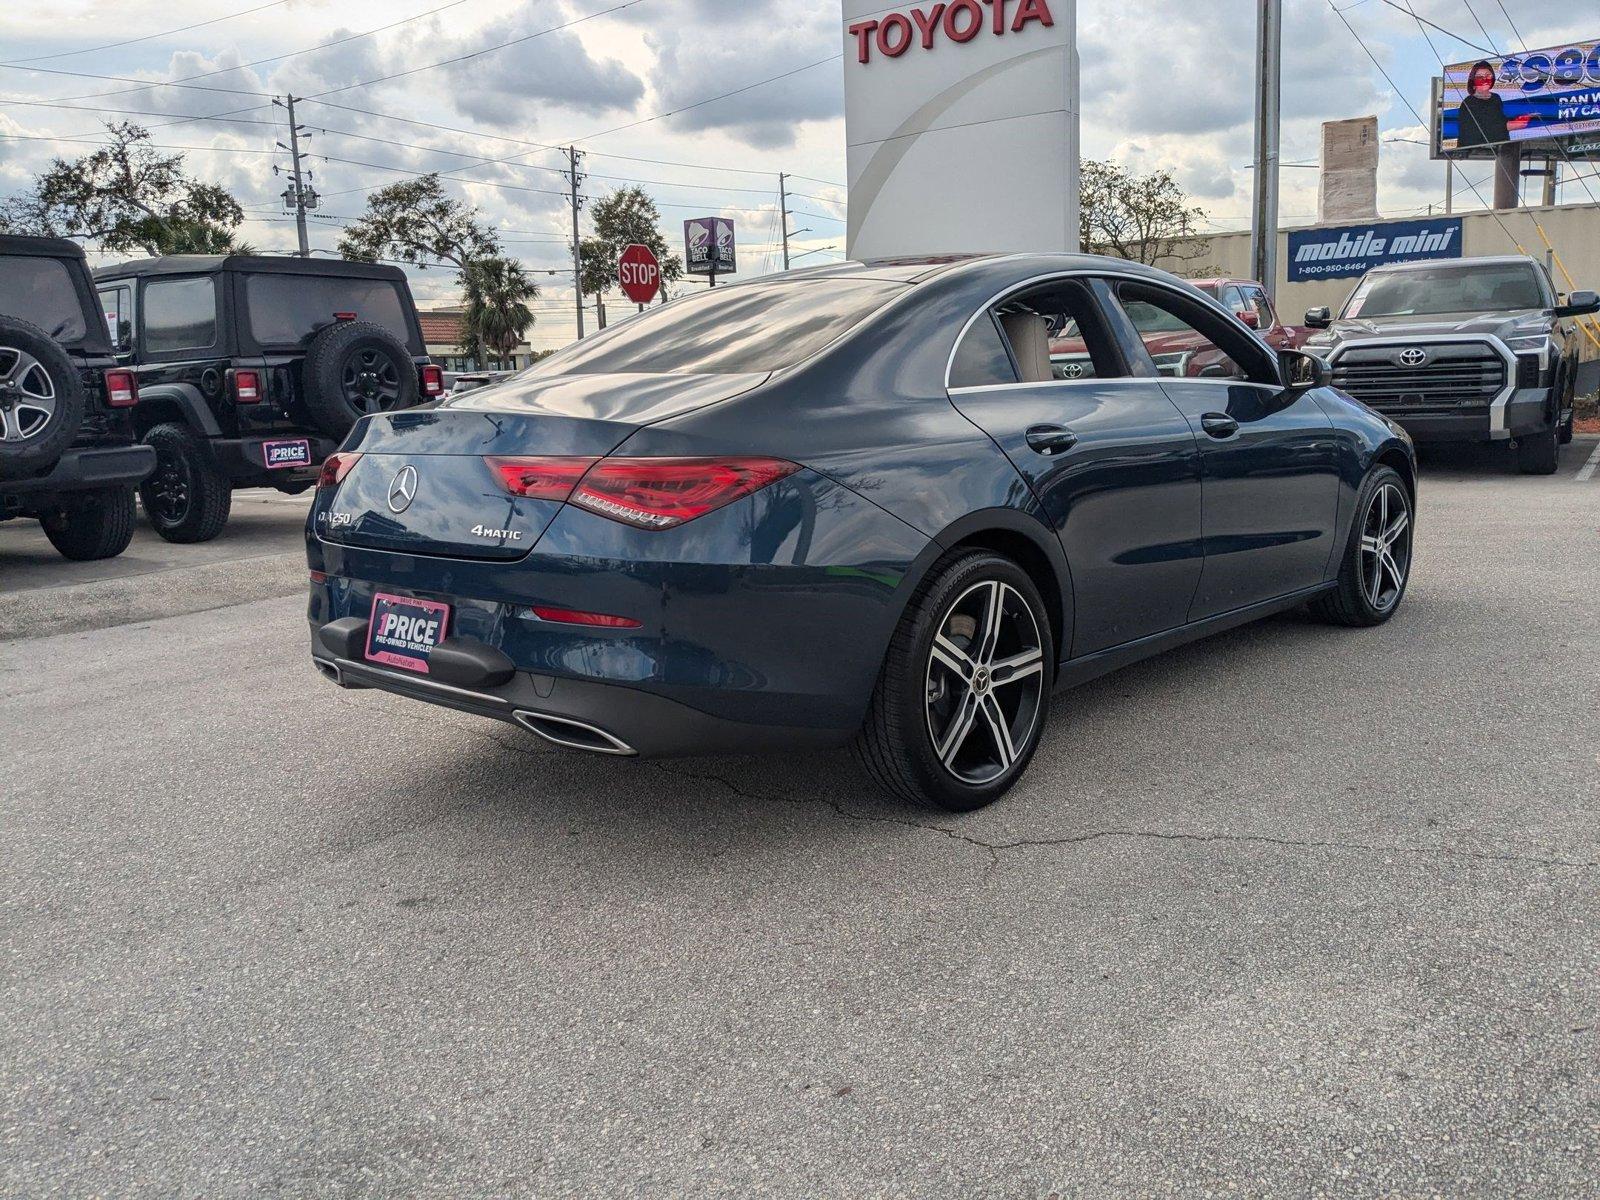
27 395
371 381
984 682
1385 547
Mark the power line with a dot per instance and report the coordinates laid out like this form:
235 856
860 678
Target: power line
149 37
193 87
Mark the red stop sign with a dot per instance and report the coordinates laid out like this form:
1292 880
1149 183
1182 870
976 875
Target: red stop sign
639 273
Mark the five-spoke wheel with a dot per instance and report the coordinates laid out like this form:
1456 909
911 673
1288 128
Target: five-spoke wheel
1385 546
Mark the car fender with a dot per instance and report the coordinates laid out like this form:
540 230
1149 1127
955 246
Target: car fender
189 401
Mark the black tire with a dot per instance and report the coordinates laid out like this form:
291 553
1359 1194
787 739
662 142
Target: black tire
41 400
1568 405
353 369
92 525
1354 602
1539 453
187 497
918 691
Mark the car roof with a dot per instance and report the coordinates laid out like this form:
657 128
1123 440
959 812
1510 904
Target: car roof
40 247
286 264
1487 260
919 269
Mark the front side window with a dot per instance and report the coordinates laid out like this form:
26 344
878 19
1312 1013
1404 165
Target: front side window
756 328
1453 288
289 310
1186 340
41 291
180 314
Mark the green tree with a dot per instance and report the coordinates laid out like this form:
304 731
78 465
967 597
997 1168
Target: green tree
496 316
415 222
1143 218
127 198
624 218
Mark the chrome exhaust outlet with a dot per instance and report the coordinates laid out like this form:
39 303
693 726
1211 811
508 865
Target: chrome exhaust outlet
572 735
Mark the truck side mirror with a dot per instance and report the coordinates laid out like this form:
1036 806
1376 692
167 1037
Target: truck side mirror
1318 318
1579 304
1248 316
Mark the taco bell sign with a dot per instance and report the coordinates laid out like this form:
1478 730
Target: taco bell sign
708 246
1349 250
961 124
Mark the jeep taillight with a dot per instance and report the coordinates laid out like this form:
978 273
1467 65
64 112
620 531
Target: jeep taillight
432 380
246 386
122 389
335 467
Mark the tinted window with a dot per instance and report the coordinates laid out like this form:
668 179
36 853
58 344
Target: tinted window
1257 300
180 314
982 360
756 327
1458 288
285 310
40 290
1187 340
1076 342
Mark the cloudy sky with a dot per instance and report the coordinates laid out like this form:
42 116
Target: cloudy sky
634 83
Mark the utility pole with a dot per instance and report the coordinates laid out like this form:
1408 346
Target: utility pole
1449 186
1269 94
299 197
1552 180
783 215
574 155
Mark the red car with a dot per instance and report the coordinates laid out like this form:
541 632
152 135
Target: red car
1175 348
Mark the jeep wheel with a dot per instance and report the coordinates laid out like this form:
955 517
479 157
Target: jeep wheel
355 369
186 497
94 525
41 400
1539 453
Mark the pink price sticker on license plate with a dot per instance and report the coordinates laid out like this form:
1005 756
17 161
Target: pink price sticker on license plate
403 631
278 455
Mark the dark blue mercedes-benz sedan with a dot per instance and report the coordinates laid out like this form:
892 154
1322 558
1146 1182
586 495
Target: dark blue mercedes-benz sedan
862 503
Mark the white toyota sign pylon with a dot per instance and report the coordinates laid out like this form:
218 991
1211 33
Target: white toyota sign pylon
961 121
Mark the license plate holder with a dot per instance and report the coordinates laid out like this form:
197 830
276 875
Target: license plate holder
287 454
403 630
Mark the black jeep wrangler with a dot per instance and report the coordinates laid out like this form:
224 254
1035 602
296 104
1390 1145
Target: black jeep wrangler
252 369
68 458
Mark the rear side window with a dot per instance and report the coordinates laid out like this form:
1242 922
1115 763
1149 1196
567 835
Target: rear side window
982 359
116 303
40 290
288 310
180 314
730 331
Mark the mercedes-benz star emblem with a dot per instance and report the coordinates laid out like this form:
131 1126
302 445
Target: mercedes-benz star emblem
403 490
1413 356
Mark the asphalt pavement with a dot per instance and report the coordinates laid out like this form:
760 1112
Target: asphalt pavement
1293 911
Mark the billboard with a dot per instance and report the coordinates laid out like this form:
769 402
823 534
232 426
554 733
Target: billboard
1347 250
708 246
961 126
1527 97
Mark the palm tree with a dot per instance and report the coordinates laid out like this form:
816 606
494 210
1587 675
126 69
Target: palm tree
496 316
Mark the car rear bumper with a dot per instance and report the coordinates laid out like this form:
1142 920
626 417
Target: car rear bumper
89 469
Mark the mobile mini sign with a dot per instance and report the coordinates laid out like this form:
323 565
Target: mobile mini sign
1349 250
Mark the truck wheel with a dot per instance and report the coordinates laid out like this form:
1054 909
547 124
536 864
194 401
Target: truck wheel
95 525
41 400
354 369
1568 405
1377 557
1538 453
186 497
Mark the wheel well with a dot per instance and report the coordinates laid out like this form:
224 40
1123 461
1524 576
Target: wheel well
1396 458
1023 551
151 413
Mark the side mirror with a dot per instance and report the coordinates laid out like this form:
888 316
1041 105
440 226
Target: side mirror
1318 318
1579 304
1248 316
1301 372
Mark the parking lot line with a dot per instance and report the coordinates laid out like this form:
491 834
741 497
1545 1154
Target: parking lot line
1586 472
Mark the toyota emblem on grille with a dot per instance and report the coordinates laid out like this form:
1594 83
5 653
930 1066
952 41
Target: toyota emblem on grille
1073 370
403 490
1413 356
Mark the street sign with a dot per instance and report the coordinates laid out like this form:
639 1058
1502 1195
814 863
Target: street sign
639 273
709 246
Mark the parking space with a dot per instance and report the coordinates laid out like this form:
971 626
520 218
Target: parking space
1294 908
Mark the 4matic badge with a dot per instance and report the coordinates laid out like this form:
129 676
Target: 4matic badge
504 535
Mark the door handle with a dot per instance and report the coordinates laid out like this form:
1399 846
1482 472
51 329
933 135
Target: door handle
1219 425
1050 439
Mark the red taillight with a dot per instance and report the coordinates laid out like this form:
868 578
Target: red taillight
345 316
660 493
573 616
432 381
122 389
647 493
247 386
319 577
335 467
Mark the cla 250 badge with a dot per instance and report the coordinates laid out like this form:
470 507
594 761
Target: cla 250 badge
506 535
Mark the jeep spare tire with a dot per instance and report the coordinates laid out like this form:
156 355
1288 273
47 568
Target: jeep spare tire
354 369
41 400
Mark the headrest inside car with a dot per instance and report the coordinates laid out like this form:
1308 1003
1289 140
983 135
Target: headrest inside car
1029 335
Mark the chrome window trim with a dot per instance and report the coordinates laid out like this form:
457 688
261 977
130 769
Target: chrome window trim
1498 430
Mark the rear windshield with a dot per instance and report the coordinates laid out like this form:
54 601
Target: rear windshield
288 310
1459 288
40 290
753 328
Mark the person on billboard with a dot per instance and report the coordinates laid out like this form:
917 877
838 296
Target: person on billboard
1481 120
